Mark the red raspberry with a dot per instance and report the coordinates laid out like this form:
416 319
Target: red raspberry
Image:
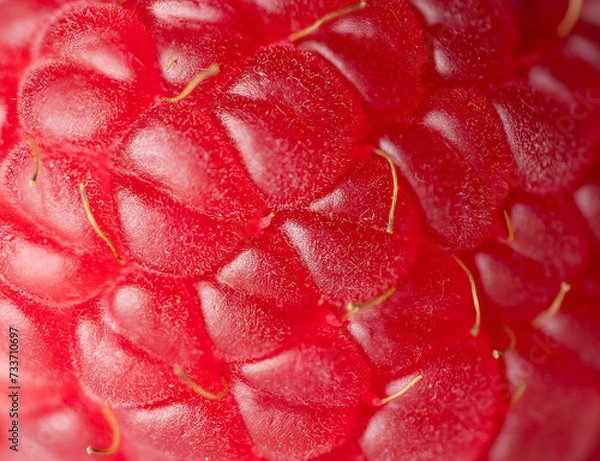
300 230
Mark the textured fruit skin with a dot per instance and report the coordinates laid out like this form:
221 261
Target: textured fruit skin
246 217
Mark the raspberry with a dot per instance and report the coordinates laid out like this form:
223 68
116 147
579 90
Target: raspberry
301 230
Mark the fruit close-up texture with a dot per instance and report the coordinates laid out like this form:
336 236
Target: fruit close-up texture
288 230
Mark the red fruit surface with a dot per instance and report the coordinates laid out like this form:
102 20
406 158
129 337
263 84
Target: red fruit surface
293 230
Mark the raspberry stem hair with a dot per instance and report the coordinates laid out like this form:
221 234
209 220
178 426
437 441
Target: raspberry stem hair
386 156
513 343
402 392
352 309
94 223
571 17
554 307
35 150
210 71
474 294
116 435
326 18
186 379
